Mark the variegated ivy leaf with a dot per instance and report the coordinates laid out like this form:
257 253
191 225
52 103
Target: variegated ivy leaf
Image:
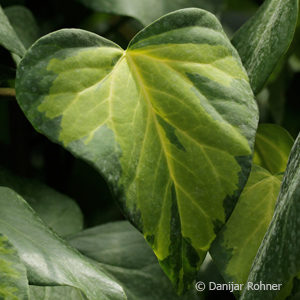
13 279
278 258
169 122
237 244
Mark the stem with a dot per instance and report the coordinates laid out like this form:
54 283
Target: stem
8 92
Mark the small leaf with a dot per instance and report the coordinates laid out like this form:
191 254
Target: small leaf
170 123
58 211
8 37
121 251
147 11
236 245
278 258
48 259
24 24
265 38
272 147
13 279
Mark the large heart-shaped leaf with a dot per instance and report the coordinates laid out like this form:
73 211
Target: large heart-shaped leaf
48 259
58 211
278 258
236 245
13 279
170 123
147 11
265 38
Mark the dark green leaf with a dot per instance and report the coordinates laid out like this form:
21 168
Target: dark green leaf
272 147
122 251
147 11
13 280
24 24
8 37
170 123
58 211
55 293
265 38
278 258
48 259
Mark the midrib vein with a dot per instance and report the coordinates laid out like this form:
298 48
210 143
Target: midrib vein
110 74
160 136
151 111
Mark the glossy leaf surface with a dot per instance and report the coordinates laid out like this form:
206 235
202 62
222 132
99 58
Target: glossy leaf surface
237 244
8 37
13 280
48 259
170 123
278 259
122 251
23 23
272 148
55 293
58 211
263 39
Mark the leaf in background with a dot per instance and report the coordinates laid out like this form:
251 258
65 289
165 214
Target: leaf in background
58 211
8 37
272 147
170 123
278 258
122 251
236 245
24 24
13 280
48 259
146 11
263 39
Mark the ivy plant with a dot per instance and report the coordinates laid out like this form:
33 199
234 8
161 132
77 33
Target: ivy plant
171 123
